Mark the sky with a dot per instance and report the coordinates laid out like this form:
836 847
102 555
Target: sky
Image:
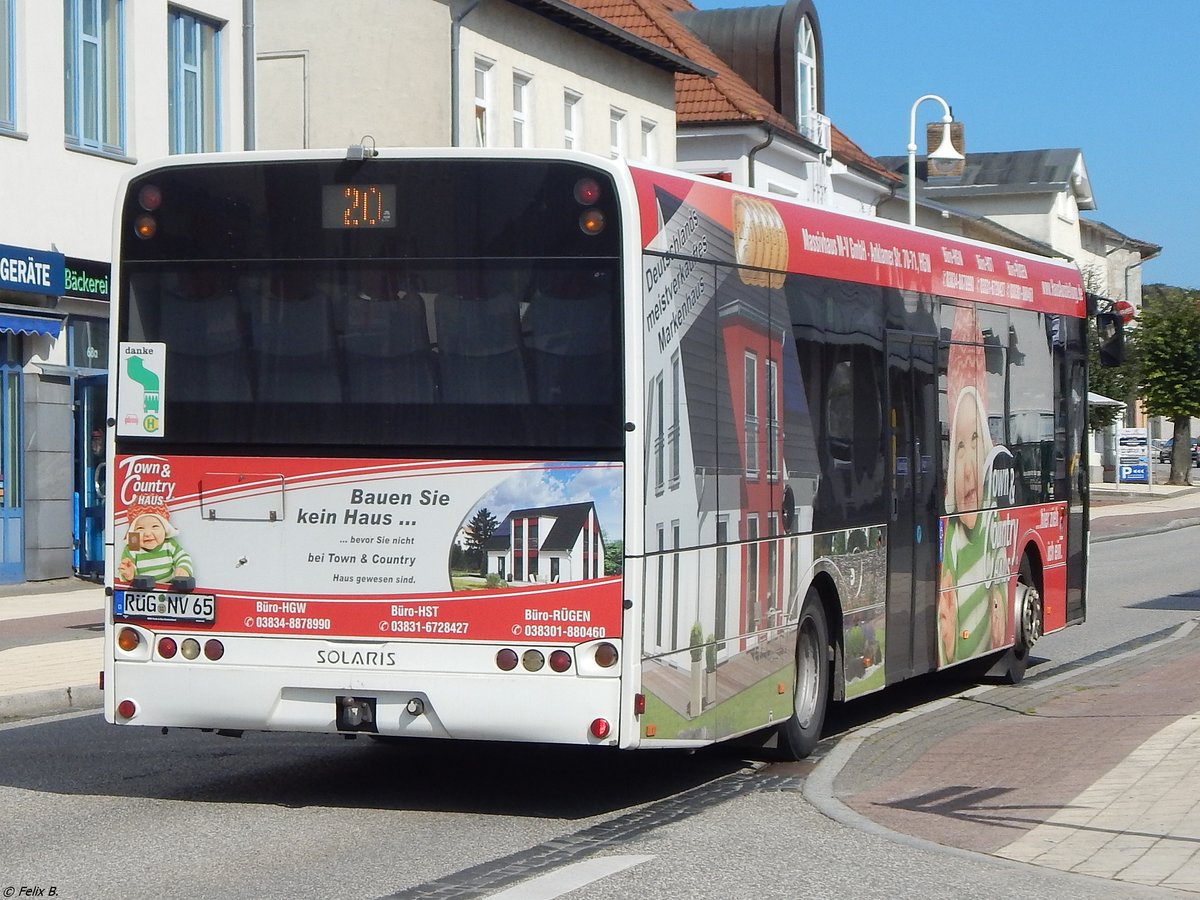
1117 79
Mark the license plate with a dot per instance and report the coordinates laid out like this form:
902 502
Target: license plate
164 606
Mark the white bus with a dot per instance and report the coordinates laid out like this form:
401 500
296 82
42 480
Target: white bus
545 447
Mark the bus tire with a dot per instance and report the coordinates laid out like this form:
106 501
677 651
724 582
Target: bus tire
798 736
1028 625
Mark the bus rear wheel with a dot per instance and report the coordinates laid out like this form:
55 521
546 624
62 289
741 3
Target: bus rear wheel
798 736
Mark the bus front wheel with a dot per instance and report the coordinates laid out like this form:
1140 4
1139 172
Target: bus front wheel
798 736
1028 625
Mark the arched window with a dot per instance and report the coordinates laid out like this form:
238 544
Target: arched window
806 73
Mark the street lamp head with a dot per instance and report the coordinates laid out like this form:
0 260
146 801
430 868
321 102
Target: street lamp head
946 151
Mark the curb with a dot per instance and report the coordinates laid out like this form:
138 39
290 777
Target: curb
818 787
50 702
1143 532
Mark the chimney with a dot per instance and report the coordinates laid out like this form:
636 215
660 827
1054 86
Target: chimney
946 171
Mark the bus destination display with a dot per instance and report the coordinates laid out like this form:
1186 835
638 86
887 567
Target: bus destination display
358 206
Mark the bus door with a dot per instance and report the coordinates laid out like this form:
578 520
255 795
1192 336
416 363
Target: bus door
89 475
910 646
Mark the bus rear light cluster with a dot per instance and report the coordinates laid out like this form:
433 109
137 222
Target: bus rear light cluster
604 655
189 648
587 193
149 198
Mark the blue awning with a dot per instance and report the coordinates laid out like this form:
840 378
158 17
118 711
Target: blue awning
30 325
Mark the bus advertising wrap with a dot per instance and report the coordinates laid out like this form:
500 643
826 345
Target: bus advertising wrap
449 550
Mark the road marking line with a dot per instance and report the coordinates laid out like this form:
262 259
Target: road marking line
568 878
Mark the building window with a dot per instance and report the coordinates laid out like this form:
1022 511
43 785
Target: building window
94 84
522 136
8 115
673 434
616 132
483 96
772 421
751 415
571 119
193 83
659 434
649 141
806 72
675 584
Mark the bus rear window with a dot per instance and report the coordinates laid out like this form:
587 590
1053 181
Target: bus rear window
386 353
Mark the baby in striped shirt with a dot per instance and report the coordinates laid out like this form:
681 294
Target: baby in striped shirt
151 547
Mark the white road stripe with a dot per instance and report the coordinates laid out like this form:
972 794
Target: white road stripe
568 878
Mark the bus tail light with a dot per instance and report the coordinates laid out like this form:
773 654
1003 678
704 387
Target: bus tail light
591 221
149 197
533 660
600 728
190 648
587 191
560 660
214 649
126 709
507 660
128 640
606 655
167 648
145 227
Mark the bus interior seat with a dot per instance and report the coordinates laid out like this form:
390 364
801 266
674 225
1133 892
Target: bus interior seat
569 327
293 334
385 342
202 326
480 351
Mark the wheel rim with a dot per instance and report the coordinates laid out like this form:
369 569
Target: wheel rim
807 675
1031 615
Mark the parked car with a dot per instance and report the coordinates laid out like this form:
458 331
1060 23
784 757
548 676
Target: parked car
1163 449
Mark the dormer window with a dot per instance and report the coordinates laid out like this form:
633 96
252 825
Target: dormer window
806 73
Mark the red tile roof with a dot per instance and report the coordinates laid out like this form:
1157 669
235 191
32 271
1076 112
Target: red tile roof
725 98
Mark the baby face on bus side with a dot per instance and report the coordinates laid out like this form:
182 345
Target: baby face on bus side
968 459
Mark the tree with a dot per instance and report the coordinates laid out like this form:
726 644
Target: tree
1169 340
481 527
614 557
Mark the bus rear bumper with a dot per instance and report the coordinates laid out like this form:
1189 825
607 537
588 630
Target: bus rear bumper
551 708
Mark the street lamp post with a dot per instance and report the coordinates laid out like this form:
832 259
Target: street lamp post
944 153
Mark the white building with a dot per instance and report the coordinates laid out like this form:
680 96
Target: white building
497 73
87 89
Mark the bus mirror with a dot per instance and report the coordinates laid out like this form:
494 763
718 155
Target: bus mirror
1110 330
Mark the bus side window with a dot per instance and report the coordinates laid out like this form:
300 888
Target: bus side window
480 354
294 342
203 328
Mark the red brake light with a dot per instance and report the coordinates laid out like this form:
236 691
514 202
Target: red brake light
214 649
560 660
507 660
149 197
587 191
167 648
